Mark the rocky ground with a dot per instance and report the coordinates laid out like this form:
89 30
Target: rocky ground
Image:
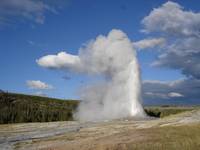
172 132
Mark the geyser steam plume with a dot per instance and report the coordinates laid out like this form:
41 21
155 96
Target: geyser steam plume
114 58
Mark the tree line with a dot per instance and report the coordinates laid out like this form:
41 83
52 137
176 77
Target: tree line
17 108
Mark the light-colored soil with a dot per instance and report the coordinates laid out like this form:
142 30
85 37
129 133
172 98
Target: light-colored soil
173 132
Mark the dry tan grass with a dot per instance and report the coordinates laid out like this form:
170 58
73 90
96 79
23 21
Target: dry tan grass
184 137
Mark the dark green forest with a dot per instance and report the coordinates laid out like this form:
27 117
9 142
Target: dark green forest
16 108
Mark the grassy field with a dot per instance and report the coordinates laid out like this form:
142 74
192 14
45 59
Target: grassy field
18 108
185 137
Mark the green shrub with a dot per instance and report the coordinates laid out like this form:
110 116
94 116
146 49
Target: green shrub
161 112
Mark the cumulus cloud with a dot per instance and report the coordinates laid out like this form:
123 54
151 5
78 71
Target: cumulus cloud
28 9
149 43
184 54
181 29
185 91
37 84
62 60
171 18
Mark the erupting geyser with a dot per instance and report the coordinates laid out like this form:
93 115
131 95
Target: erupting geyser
114 58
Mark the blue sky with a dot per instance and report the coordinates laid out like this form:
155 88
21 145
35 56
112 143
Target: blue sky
23 40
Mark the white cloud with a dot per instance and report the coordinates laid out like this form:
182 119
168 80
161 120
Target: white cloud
149 43
37 84
155 82
172 19
165 83
62 60
181 29
156 95
175 94
164 96
183 54
28 9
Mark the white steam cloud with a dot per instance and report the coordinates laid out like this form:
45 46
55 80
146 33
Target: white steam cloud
114 58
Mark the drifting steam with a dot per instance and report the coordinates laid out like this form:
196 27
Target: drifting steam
114 58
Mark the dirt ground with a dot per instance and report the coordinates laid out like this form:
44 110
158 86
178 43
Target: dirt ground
181 131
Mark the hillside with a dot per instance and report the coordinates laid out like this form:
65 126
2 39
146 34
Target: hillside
16 108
